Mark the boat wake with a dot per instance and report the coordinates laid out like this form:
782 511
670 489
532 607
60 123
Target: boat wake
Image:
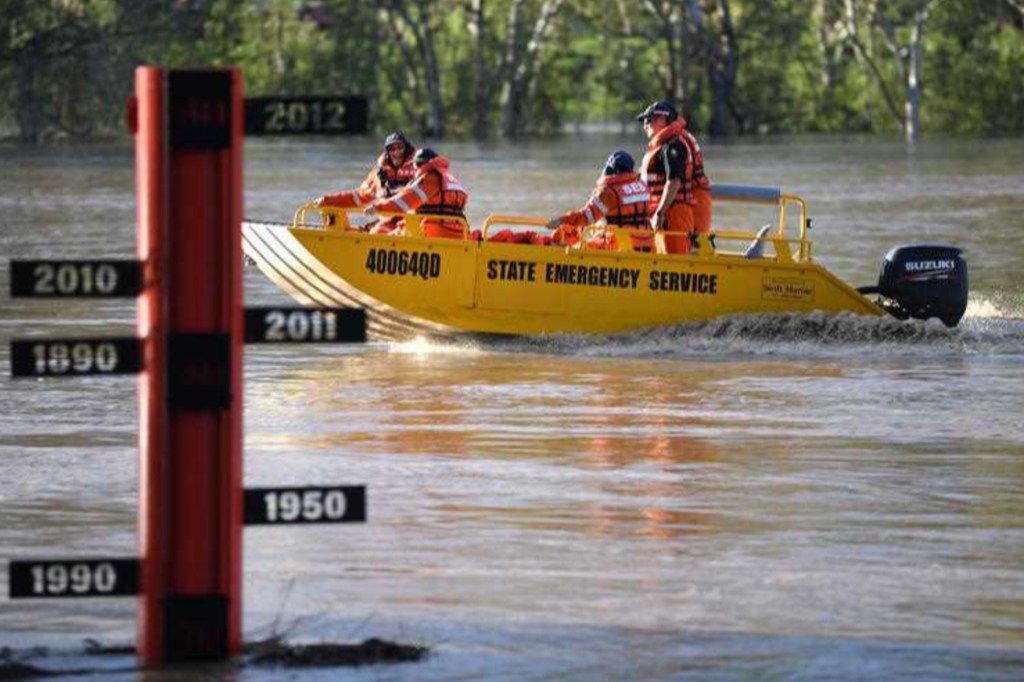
985 330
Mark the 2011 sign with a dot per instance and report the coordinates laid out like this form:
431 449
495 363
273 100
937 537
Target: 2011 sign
279 506
305 325
59 578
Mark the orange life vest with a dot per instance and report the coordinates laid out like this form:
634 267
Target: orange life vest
654 173
631 199
433 190
387 178
452 197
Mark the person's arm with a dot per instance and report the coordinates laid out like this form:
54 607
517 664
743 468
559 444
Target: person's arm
667 197
361 196
409 198
595 209
674 160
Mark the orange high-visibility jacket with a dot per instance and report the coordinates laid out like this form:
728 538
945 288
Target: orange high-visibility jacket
433 190
653 168
620 199
383 181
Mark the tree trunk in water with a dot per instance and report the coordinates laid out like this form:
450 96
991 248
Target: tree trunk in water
522 75
722 74
432 73
481 82
426 58
510 93
27 109
912 124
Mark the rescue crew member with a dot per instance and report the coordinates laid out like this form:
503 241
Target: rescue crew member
673 169
433 190
393 170
620 198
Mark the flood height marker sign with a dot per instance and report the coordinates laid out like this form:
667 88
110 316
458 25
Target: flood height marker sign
60 578
305 325
306 115
75 357
76 278
283 506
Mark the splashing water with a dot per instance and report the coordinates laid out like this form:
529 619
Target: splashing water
985 330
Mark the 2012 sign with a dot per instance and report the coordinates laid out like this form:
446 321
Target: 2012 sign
305 115
73 578
278 506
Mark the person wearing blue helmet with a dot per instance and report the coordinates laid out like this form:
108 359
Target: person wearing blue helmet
620 199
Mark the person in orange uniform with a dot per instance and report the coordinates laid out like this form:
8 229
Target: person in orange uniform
393 170
673 168
433 190
621 198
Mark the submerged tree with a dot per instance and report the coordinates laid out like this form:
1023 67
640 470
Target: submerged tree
519 67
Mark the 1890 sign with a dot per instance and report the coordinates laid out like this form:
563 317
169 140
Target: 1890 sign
305 115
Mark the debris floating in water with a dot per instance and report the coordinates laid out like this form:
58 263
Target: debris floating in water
369 652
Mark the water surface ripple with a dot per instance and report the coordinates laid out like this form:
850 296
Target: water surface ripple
758 497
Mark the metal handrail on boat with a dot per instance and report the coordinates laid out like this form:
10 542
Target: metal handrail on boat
336 218
770 196
511 220
413 221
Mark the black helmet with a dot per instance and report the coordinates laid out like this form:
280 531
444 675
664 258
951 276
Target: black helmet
618 162
659 108
423 156
395 138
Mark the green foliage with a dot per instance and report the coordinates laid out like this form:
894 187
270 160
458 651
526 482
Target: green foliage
66 65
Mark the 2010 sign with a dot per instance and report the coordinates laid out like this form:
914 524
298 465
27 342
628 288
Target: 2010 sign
305 325
75 357
73 578
277 506
76 278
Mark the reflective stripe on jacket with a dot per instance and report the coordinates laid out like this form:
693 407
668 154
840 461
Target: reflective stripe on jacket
620 199
433 190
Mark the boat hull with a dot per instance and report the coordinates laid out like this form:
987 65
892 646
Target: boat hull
414 285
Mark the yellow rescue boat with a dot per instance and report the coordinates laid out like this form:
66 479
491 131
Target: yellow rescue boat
413 285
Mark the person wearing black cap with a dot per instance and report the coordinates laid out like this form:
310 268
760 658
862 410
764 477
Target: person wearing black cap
393 170
673 168
433 191
620 198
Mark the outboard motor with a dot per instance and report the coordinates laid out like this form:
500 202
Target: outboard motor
923 281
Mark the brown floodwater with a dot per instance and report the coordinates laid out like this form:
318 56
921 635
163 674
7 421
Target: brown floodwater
792 498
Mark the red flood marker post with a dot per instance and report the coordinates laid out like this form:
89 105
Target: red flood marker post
188 154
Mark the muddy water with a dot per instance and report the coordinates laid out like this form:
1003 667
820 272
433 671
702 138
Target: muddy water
745 499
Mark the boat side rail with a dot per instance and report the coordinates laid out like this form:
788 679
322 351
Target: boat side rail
336 218
705 246
331 217
770 196
505 220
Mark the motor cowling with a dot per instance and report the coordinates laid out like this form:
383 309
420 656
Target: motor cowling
923 281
